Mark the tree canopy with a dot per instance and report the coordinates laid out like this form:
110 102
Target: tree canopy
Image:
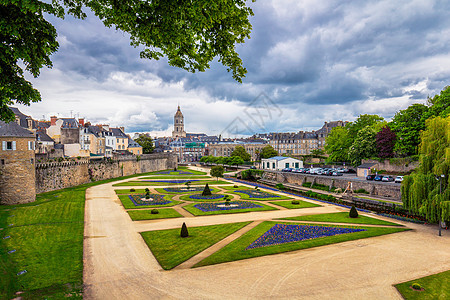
189 33
385 142
241 152
364 145
217 171
361 122
267 152
421 190
337 144
146 143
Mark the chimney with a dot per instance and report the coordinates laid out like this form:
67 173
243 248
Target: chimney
81 121
53 120
105 127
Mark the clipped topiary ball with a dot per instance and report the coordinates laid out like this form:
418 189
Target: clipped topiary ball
132 190
154 212
295 202
416 286
353 212
184 231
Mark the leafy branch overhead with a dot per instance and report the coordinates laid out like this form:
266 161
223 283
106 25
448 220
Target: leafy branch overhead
189 33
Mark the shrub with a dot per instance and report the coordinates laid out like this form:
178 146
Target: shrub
306 184
353 212
154 212
147 190
206 191
416 286
132 190
361 191
235 186
295 202
279 186
184 231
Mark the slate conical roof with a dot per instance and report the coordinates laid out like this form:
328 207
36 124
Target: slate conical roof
178 113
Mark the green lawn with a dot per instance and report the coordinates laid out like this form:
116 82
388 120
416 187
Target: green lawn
149 183
176 173
342 217
434 287
236 250
145 214
240 187
128 204
197 212
171 250
289 205
48 238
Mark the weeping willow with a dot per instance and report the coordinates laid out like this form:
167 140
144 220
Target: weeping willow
421 190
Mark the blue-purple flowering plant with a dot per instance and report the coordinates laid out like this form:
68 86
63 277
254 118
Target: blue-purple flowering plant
217 206
157 199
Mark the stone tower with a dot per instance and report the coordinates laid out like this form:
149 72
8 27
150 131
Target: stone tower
178 125
17 164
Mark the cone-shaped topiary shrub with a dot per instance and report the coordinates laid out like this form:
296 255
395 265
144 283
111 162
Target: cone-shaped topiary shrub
353 212
206 191
147 190
154 211
184 231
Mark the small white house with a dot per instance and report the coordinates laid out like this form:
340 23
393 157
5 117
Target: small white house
280 162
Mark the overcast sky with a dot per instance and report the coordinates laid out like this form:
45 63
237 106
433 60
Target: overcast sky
308 62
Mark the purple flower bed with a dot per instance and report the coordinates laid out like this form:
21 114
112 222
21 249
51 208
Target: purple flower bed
171 181
257 194
183 190
157 199
215 206
282 233
210 197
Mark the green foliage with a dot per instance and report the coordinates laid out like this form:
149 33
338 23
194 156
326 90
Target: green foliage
206 191
416 286
154 211
132 190
236 161
440 104
251 174
190 34
146 214
295 202
217 171
385 142
361 191
362 122
267 152
184 231
279 186
364 146
146 143
337 144
407 125
421 192
353 212
241 152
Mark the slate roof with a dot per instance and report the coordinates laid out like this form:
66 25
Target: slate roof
13 129
118 133
69 123
42 136
132 143
367 165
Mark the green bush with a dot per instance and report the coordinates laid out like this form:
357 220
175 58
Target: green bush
353 212
279 186
147 190
361 191
132 190
154 211
306 184
416 286
184 231
235 186
295 202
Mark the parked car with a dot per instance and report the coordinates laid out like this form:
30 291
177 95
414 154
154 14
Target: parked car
337 173
253 167
398 179
378 177
286 170
388 178
370 177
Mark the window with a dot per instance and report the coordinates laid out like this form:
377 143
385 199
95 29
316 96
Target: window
286 165
273 165
9 145
32 161
296 165
2 162
268 165
31 145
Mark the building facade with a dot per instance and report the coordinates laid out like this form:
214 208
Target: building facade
278 163
178 125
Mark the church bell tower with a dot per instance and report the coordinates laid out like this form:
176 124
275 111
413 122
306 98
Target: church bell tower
178 125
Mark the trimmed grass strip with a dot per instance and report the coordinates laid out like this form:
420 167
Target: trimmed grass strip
342 217
289 205
171 250
146 214
236 250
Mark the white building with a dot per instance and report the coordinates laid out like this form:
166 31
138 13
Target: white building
280 162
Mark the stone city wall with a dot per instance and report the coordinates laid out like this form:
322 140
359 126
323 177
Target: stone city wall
374 188
58 175
401 167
